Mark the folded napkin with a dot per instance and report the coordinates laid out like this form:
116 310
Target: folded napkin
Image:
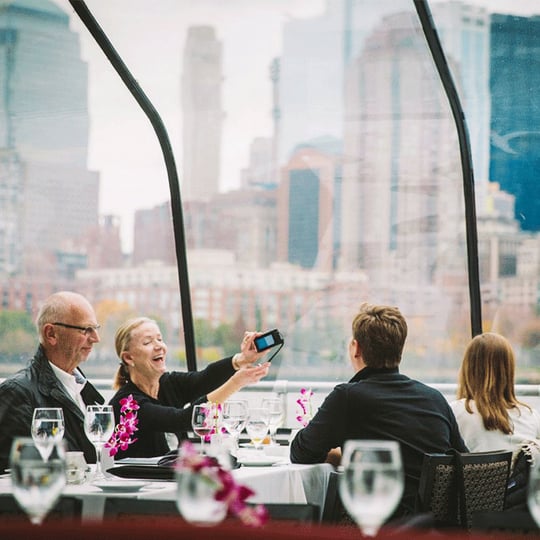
143 472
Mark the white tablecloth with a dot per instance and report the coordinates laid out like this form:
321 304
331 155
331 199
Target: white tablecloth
286 483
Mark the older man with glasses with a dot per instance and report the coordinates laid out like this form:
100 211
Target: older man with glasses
67 329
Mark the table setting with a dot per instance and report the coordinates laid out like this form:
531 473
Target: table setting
238 451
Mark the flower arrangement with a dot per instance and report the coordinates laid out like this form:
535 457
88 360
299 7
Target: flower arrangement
233 495
304 409
122 435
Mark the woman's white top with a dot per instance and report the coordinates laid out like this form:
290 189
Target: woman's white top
478 439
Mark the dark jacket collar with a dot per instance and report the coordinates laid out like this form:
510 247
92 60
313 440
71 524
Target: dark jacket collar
369 372
49 385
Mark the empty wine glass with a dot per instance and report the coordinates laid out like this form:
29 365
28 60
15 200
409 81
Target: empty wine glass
257 426
234 417
37 482
372 482
99 426
274 406
47 428
202 421
533 493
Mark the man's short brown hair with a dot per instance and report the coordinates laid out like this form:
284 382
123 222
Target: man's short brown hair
380 332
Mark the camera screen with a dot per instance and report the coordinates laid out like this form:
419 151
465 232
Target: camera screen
264 342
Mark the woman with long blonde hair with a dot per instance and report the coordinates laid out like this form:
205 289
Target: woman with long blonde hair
165 399
489 415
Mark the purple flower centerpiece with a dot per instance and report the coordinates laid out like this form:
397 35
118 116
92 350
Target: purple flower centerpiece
207 492
304 410
122 435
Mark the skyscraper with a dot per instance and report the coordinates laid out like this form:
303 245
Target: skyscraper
399 197
202 113
43 135
515 131
308 206
311 80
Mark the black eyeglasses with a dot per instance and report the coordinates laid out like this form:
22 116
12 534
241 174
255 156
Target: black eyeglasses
86 330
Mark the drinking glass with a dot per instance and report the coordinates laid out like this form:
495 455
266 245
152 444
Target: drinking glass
202 422
37 482
196 498
47 428
372 482
257 426
234 417
533 492
274 406
99 426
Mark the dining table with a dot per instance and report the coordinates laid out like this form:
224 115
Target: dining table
271 476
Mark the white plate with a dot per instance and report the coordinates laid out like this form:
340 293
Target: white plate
120 486
262 461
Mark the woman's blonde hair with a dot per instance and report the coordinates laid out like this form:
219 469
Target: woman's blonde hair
122 339
487 378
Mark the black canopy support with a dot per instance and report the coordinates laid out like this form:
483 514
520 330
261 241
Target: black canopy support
437 53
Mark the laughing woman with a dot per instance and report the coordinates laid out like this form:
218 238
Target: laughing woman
162 396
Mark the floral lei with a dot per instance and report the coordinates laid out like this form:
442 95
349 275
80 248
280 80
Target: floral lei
227 490
122 435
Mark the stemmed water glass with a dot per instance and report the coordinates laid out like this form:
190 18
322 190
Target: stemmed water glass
274 406
37 481
202 422
99 426
47 429
257 426
234 417
372 482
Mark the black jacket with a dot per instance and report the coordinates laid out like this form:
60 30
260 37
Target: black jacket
382 404
37 386
169 413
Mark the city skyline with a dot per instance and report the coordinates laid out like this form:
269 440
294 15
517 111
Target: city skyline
111 107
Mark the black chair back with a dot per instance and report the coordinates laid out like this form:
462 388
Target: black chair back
455 486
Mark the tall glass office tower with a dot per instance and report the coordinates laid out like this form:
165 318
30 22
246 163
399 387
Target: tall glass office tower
515 131
43 137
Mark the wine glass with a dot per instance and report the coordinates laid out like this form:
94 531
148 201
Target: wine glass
372 482
257 426
234 417
47 428
99 426
533 492
274 406
37 481
202 423
196 498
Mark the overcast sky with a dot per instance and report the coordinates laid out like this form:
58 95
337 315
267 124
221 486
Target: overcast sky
149 35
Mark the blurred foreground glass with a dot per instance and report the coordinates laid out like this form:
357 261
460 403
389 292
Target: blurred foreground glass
47 428
99 426
533 498
37 481
372 482
196 498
